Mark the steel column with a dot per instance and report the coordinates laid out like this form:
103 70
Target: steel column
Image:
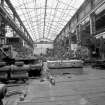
92 24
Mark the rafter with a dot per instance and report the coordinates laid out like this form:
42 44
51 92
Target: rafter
45 18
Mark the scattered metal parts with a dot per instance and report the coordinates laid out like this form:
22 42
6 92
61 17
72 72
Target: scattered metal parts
14 92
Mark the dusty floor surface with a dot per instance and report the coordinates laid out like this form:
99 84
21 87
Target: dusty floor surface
85 89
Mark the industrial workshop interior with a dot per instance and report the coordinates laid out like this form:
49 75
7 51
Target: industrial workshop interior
52 52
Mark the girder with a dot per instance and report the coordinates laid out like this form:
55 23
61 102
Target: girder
49 40
43 42
11 22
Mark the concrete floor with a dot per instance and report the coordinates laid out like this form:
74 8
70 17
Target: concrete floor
85 89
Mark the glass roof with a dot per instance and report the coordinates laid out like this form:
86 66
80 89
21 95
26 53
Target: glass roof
44 19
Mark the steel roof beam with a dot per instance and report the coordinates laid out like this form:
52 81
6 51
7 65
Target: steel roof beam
44 38
13 24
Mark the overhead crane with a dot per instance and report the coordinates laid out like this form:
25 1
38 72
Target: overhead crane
43 42
12 23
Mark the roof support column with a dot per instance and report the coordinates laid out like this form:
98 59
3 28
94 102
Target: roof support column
69 41
92 24
14 18
92 20
78 34
2 28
